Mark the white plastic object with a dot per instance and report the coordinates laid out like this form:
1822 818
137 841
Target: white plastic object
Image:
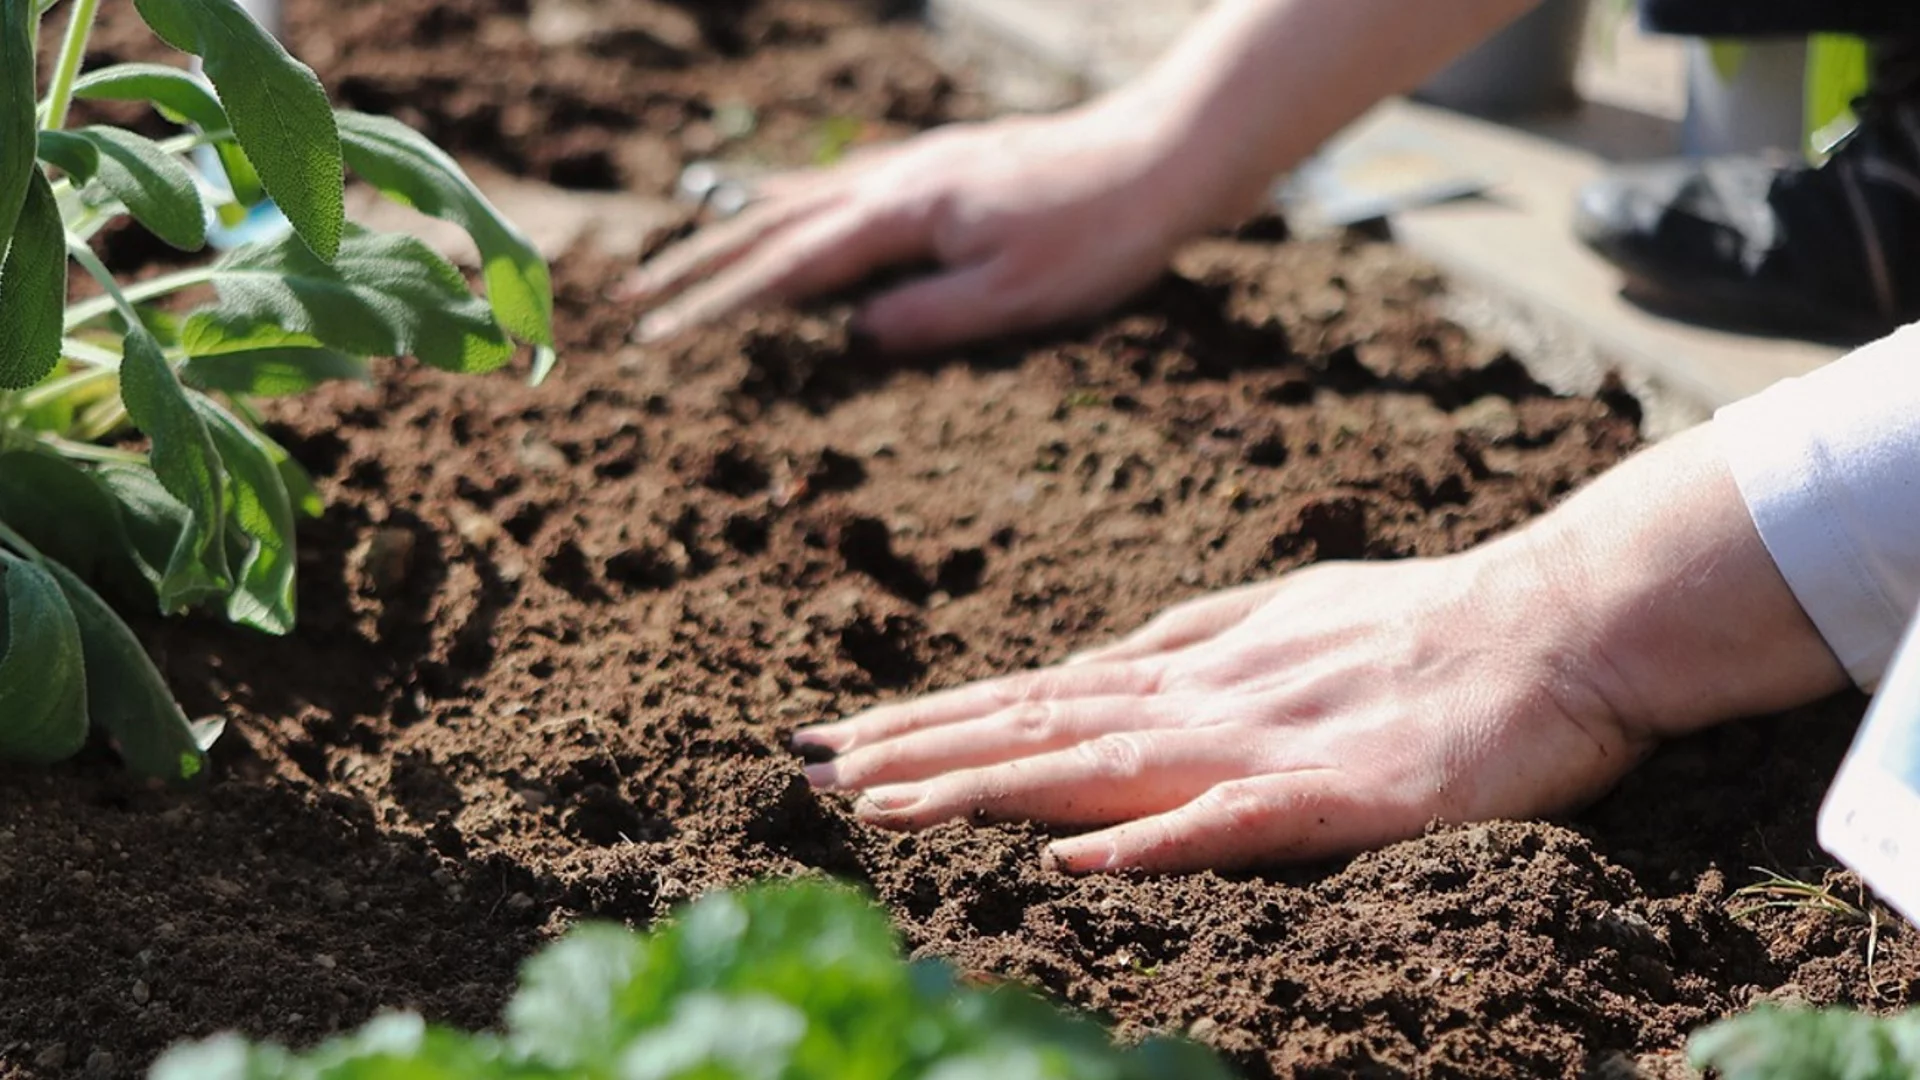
1871 818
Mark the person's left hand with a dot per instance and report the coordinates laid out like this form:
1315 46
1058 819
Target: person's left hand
1341 707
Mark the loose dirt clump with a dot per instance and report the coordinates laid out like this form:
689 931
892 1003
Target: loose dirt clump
553 641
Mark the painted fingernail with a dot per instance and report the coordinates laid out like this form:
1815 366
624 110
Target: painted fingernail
813 753
823 776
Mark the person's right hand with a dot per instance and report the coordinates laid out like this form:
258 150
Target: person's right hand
1032 219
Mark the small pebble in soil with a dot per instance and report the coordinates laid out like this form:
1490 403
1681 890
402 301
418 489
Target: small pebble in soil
141 992
51 1057
520 903
384 558
99 1063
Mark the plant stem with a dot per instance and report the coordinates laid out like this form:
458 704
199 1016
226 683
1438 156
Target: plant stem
72 53
82 254
49 392
85 312
80 451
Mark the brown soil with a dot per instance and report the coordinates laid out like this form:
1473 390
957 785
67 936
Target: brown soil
553 641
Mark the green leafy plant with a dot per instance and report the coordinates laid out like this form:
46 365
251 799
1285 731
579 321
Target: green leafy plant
1835 1044
786 982
131 459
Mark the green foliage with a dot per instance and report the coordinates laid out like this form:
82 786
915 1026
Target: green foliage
131 461
790 982
1835 1044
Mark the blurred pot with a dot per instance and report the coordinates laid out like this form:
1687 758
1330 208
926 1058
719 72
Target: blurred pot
1528 67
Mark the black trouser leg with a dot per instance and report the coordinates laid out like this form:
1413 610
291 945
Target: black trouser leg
1782 18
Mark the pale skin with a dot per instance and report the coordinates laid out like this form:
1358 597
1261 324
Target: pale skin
1334 709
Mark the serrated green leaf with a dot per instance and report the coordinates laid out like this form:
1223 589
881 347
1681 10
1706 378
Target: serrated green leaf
277 108
186 464
569 1008
274 372
126 696
154 186
65 512
33 287
71 154
382 296
262 596
182 98
403 165
18 21
43 687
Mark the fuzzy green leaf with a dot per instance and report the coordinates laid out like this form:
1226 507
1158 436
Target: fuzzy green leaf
154 520
154 186
43 688
382 296
187 465
178 95
278 110
67 515
33 287
71 154
1832 1044
403 165
18 21
126 696
263 592
183 99
271 372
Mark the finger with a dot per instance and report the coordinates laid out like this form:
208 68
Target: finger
811 257
1022 731
967 304
1112 778
1182 626
717 247
1287 817
977 700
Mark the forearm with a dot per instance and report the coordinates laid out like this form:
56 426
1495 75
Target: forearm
1258 85
1677 604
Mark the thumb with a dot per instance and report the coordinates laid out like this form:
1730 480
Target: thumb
961 305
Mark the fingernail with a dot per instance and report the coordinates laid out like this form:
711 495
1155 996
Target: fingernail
823 776
636 285
812 753
891 800
655 328
1081 857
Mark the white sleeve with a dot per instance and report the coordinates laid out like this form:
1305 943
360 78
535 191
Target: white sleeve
1829 466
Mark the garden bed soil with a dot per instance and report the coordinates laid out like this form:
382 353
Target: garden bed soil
553 640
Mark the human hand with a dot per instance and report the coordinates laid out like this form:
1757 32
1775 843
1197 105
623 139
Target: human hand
1032 219
1338 708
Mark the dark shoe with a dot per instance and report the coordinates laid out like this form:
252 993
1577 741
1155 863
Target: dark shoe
1832 251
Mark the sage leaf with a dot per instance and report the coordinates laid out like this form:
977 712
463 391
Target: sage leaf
382 296
272 372
33 288
153 185
178 96
18 21
277 109
126 696
261 511
183 99
154 520
186 464
407 168
43 687
71 154
69 516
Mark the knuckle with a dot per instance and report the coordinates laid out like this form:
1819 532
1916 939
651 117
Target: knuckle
1118 756
1034 721
1237 805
